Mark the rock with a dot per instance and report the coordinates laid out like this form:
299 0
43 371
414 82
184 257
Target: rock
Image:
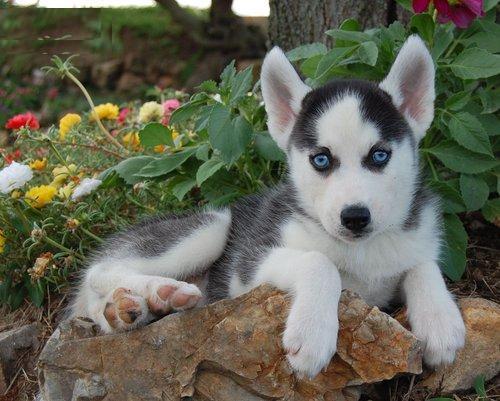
129 82
481 354
13 344
105 73
225 351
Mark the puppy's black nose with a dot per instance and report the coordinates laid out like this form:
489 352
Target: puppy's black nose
355 218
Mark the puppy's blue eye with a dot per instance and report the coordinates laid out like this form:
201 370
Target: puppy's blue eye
320 161
380 156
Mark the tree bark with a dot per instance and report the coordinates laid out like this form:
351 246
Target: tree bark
296 22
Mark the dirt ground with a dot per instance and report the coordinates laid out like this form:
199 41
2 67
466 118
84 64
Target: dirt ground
482 279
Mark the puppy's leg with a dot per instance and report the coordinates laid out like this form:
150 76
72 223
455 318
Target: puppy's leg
310 337
433 314
139 276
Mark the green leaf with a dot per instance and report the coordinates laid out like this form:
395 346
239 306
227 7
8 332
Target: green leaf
153 134
468 132
209 86
165 164
181 186
475 191
208 169
443 36
451 198
126 169
479 386
351 36
186 111
461 160
368 53
267 148
490 100
242 83
230 137
306 51
424 24
489 4
348 25
484 40
202 152
453 258
310 66
490 123
36 292
330 60
491 210
475 63
457 101
227 75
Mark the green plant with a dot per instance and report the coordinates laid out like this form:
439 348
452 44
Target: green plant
224 148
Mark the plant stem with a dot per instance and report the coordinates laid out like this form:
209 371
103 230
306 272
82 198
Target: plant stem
91 235
50 241
98 120
61 159
431 165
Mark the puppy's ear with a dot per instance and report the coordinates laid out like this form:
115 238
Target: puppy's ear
411 85
283 91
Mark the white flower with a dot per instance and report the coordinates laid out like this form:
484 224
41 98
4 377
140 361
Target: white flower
85 187
217 98
14 176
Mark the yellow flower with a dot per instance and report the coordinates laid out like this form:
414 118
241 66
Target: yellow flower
175 134
16 194
39 164
72 224
39 196
131 140
68 122
150 111
61 173
106 111
66 191
2 241
159 148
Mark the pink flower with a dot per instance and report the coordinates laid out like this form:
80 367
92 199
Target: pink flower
461 12
168 107
23 120
123 115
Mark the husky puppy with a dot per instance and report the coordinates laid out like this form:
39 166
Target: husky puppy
353 213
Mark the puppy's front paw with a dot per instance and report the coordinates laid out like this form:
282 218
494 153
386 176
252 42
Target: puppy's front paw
310 342
442 332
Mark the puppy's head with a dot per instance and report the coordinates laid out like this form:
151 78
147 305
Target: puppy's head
352 145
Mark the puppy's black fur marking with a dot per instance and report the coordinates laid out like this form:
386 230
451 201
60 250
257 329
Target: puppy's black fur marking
376 107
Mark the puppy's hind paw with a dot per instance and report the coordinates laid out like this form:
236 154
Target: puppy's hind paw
125 310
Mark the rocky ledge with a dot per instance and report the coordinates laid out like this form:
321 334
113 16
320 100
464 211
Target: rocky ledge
230 350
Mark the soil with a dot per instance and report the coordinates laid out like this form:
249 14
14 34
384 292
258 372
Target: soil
481 279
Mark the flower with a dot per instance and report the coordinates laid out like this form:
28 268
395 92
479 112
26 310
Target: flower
40 266
86 187
168 107
150 111
60 174
123 115
23 120
39 196
16 155
131 140
14 176
106 111
175 134
66 191
38 164
2 241
72 224
461 12
159 148
68 122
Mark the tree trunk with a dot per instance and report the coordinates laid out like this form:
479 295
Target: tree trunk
296 22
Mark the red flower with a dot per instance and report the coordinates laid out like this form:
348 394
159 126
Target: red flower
16 155
123 115
23 120
461 12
